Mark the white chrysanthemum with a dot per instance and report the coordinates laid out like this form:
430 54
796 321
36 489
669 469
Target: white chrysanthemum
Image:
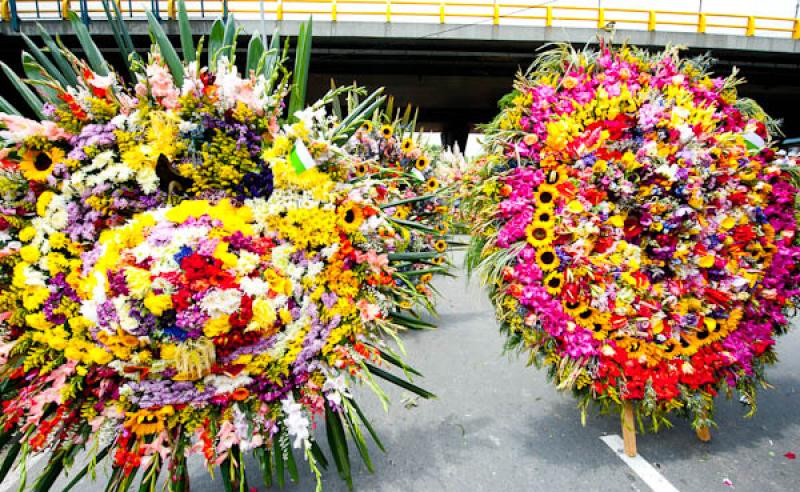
226 384
148 180
219 302
254 287
247 262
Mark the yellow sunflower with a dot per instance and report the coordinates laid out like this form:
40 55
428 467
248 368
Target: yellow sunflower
432 184
574 307
440 245
585 317
361 168
350 216
544 216
547 259
554 282
366 126
387 131
555 176
422 163
407 145
146 422
546 196
38 165
425 278
539 234
441 228
671 348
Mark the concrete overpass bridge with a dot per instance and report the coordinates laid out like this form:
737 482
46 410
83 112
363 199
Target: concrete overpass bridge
453 58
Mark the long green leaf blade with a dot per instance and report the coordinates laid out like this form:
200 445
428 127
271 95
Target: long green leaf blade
297 99
167 50
399 382
255 52
97 459
187 43
66 69
338 444
36 73
8 108
44 61
215 39
93 55
274 54
27 94
115 31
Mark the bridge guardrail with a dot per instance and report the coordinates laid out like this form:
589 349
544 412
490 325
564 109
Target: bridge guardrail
499 12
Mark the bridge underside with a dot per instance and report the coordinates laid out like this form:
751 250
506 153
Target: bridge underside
456 74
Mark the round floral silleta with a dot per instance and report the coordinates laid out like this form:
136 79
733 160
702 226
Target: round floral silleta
638 233
172 285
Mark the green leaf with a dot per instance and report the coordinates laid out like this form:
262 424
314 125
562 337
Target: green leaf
10 458
65 69
115 30
318 455
399 382
215 42
412 256
255 52
38 79
338 444
167 50
366 423
8 108
277 454
336 103
187 44
229 41
44 61
397 362
90 50
291 465
225 469
274 54
302 59
27 94
97 459
361 444
359 113
265 463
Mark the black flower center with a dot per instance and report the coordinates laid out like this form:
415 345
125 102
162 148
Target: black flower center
548 257
42 162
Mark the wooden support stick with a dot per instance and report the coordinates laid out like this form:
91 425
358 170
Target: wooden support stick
703 433
628 429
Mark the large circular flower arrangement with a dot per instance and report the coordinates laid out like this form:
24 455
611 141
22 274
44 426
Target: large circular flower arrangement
638 237
185 271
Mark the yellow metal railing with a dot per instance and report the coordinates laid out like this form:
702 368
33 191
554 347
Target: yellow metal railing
498 12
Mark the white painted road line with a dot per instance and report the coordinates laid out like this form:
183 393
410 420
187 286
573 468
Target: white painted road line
645 470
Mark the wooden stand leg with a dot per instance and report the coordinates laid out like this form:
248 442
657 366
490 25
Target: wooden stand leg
704 434
628 429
